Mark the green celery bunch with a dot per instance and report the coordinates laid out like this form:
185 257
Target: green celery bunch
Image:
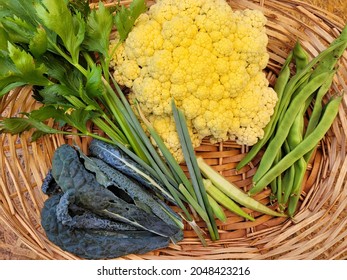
52 46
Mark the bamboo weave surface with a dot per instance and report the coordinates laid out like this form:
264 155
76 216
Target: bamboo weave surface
319 229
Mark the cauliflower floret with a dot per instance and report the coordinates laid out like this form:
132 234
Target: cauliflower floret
254 107
178 32
166 128
209 59
160 66
191 106
155 99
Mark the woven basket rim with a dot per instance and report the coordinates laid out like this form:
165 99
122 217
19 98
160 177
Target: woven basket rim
317 231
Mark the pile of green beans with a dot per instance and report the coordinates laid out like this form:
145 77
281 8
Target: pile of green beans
288 144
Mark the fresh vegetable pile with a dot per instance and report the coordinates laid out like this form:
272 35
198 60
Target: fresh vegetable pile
115 200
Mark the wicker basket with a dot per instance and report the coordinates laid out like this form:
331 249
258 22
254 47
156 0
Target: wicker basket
318 230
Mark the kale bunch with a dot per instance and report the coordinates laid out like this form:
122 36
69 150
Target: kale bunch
97 212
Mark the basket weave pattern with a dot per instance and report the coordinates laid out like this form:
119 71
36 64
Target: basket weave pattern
318 230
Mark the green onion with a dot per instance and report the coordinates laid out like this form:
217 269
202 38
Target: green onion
193 168
185 186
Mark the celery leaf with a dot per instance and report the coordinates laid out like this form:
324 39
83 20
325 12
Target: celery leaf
94 85
24 10
16 125
98 30
38 44
125 17
18 30
3 39
36 120
56 16
77 118
19 68
54 95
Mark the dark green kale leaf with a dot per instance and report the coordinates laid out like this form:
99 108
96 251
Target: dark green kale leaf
69 173
49 185
69 214
96 244
96 221
116 158
142 198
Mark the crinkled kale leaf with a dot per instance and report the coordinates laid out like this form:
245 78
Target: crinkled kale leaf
69 214
85 213
116 158
96 244
142 198
70 173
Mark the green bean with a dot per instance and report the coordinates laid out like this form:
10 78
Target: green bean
274 187
339 45
286 123
288 181
286 89
278 180
301 57
295 134
290 87
293 173
300 150
317 111
285 94
283 76
300 169
299 87
280 84
279 183
317 108
294 138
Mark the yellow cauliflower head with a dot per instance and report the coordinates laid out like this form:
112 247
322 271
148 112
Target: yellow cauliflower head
207 57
